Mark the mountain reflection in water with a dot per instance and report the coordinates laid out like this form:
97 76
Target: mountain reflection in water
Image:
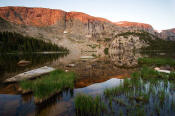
94 75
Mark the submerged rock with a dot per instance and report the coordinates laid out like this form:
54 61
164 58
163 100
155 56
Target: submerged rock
23 63
71 65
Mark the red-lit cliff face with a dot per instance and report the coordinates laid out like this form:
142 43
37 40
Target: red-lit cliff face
85 18
31 16
43 16
71 21
133 24
77 23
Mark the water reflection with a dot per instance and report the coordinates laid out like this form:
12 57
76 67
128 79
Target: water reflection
94 76
98 88
122 58
60 105
9 67
13 105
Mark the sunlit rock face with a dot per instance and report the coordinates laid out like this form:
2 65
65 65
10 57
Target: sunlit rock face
91 27
32 16
58 21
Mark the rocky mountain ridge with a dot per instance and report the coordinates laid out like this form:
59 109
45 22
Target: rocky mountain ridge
74 30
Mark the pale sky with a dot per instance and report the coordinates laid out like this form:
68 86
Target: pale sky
159 13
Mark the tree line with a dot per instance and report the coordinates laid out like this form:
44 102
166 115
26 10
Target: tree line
15 42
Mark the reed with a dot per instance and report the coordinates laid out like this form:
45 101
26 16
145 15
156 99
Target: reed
48 85
87 105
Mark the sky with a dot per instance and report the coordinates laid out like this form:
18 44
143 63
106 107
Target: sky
159 13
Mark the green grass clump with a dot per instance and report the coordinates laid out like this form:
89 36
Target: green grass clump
157 61
147 73
48 85
87 105
172 76
150 74
26 85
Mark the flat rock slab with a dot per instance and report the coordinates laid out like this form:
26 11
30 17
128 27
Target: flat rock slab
30 74
87 57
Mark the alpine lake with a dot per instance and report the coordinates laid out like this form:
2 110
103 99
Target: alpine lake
107 85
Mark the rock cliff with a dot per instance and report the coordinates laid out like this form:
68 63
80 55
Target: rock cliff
58 21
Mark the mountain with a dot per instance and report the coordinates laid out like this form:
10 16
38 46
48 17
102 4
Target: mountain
172 30
58 21
75 30
168 34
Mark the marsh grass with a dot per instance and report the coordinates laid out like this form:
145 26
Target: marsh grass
48 85
135 94
134 97
146 93
88 106
147 73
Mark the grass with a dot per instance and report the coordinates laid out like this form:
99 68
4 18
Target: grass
157 61
48 85
149 74
134 96
87 105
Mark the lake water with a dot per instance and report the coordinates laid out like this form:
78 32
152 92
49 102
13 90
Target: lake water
94 76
